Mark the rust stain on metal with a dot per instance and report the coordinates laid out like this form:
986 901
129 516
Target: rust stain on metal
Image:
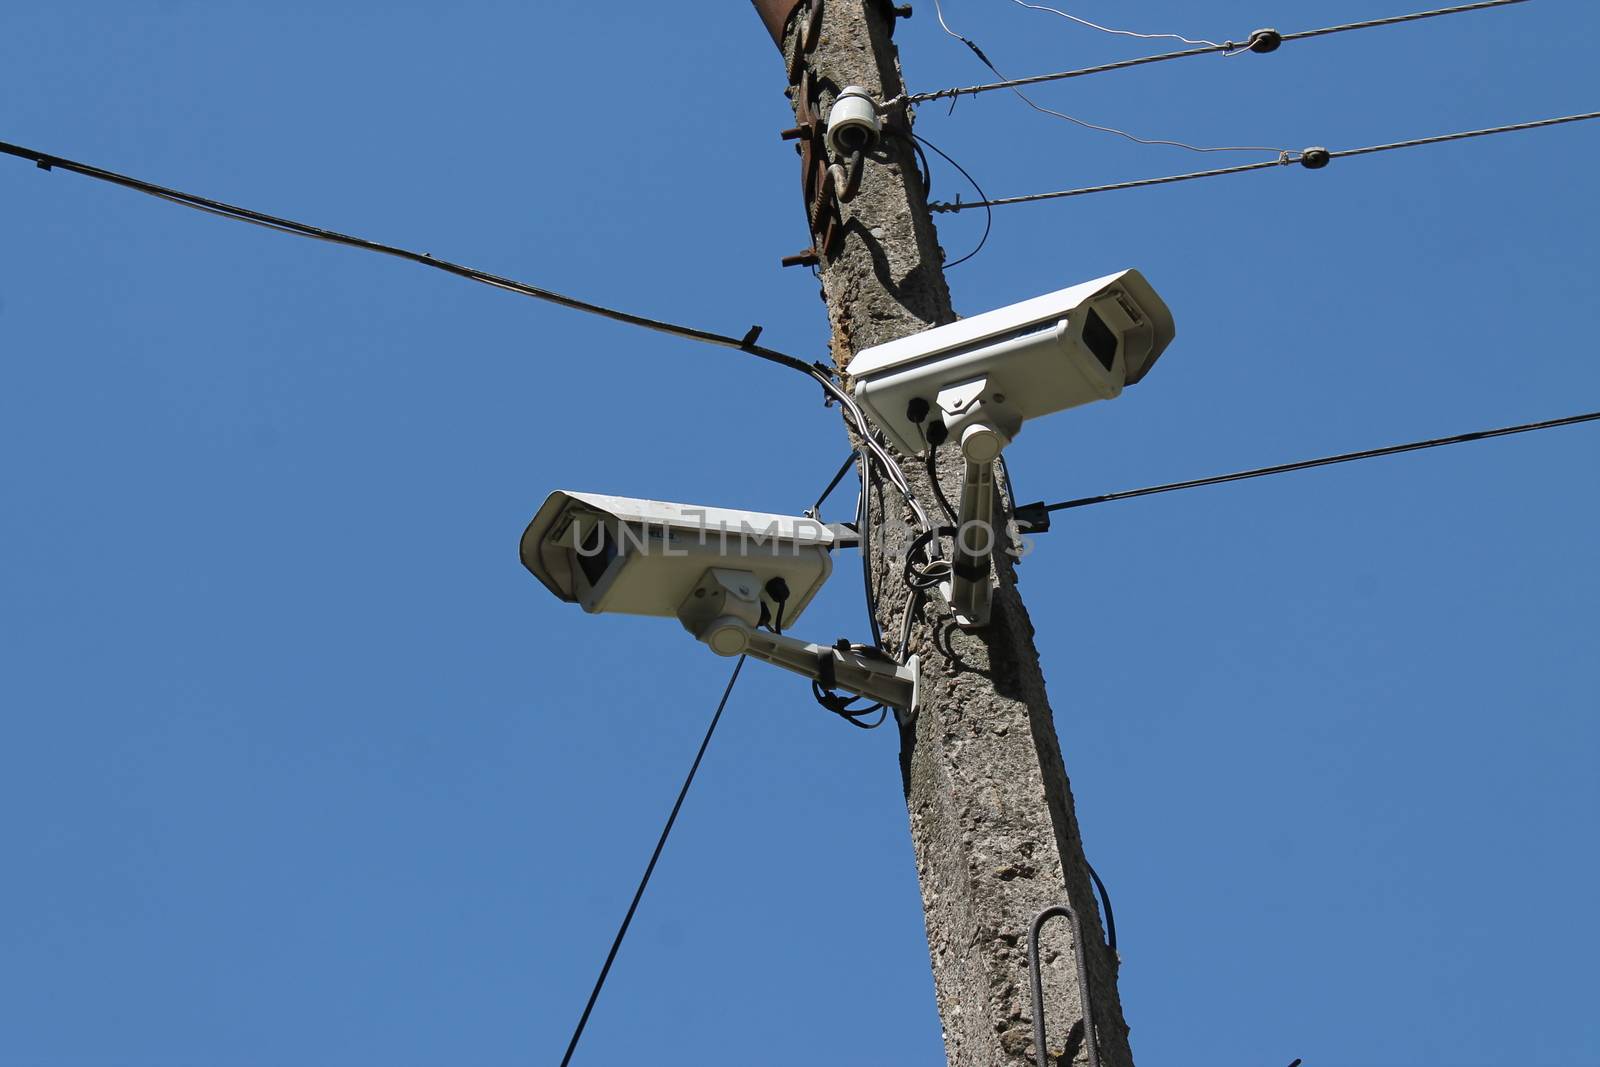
775 14
803 94
808 37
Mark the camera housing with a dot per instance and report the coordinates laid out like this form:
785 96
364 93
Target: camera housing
734 579
644 557
978 380
987 375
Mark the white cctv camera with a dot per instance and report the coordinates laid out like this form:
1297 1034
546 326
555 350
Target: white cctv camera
983 377
735 579
643 557
977 380
853 121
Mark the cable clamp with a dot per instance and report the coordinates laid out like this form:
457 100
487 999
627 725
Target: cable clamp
1033 518
827 677
1264 40
972 572
1315 158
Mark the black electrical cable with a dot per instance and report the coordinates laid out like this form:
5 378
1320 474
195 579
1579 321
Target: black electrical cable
816 371
988 218
923 576
1307 464
1105 906
864 529
622 930
1228 47
844 705
1309 158
927 169
746 343
841 706
938 490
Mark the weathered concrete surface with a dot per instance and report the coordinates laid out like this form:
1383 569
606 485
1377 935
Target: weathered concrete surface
992 821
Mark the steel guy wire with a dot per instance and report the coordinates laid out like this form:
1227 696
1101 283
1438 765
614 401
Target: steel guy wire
844 468
939 12
1307 464
1226 47
1319 158
694 767
650 868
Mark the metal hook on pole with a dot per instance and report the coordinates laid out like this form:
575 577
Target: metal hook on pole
1042 1057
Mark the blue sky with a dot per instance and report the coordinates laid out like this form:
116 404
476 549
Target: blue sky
299 766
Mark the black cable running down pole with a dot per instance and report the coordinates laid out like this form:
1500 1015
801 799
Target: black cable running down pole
746 343
1105 906
622 930
1229 47
1307 464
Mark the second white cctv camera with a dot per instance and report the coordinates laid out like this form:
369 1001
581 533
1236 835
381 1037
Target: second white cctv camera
735 580
643 557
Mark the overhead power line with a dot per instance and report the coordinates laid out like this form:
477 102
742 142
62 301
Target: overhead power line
1042 510
1310 158
818 372
622 931
45 161
938 10
1260 41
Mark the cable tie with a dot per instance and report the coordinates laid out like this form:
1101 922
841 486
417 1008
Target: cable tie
972 572
1035 517
826 676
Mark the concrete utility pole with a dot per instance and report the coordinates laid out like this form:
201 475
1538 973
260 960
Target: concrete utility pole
992 820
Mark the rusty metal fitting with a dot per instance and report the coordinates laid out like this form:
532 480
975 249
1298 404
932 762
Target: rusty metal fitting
812 30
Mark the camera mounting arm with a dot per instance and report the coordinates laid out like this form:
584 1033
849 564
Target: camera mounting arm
982 420
969 590
724 612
